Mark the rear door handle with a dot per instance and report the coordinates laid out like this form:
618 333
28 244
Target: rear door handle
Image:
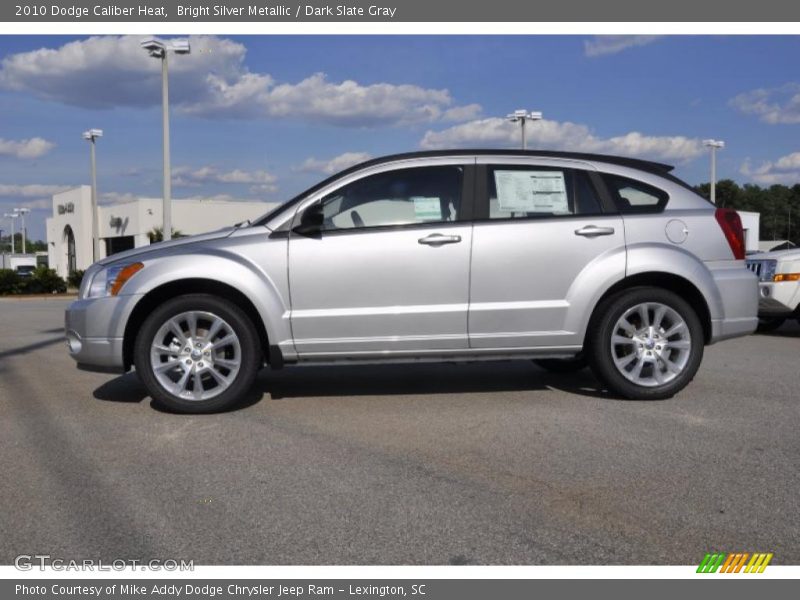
594 231
437 239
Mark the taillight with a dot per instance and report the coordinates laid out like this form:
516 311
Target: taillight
731 225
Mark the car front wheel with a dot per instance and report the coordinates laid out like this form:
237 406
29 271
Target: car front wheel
646 343
197 354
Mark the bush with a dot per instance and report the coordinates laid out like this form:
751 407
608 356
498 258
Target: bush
75 278
9 282
43 281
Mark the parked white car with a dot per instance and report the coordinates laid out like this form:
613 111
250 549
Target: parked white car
779 286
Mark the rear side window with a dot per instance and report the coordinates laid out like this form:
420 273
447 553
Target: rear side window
631 196
516 192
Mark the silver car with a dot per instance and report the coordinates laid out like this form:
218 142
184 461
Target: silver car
564 258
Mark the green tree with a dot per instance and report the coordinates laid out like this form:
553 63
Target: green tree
156 234
778 205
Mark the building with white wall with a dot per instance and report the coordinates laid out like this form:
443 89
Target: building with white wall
125 225
750 224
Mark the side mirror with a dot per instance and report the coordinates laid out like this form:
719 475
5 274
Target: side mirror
311 221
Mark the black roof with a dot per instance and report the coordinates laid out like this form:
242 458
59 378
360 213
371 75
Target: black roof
636 163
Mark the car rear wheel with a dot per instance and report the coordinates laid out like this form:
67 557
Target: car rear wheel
197 354
646 343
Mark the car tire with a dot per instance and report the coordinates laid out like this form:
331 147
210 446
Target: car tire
767 324
197 353
645 343
562 365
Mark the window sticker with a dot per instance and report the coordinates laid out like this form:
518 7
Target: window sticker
531 191
427 208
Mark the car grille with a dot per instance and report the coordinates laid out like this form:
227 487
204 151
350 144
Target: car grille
765 269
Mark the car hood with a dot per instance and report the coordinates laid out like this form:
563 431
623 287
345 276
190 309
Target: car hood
167 247
793 254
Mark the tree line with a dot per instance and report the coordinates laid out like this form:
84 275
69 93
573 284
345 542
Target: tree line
30 245
779 206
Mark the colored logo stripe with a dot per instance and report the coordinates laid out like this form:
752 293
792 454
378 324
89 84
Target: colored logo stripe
711 562
734 562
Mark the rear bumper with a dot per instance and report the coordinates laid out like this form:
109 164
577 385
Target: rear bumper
737 314
95 331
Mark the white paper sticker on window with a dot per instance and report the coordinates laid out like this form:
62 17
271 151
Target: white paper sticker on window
427 209
531 191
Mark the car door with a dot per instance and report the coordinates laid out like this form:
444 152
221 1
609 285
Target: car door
542 242
387 271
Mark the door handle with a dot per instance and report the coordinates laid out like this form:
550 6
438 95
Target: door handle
437 239
594 231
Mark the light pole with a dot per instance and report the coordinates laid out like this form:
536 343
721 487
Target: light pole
11 216
91 136
714 145
522 116
22 212
160 49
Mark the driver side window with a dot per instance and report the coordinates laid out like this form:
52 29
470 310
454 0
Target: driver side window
401 197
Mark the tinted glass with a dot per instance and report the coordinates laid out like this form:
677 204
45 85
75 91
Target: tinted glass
401 197
528 192
631 196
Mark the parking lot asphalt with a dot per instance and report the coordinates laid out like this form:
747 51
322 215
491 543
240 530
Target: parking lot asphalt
478 463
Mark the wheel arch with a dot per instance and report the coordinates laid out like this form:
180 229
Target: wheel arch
669 281
182 287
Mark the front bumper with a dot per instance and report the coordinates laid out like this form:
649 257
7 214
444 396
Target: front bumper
95 331
780 299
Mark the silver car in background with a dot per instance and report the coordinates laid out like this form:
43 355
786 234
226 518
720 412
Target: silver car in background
564 258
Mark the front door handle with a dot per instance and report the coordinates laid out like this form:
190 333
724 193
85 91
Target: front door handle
594 231
437 239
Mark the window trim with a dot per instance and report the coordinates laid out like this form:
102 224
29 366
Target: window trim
651 209
481 208
463 217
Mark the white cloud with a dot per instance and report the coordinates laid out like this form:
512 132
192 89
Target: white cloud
31 190
121 197
259 180
775 106
117 197
39 204
603 45
109 71
29 148
462 113
785 170
334 165
546 134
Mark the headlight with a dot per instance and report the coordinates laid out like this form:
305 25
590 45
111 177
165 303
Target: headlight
109 281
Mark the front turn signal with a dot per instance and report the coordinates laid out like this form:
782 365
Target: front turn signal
786 277
125 273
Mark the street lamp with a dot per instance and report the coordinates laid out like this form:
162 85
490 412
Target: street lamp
160 49
91 136
22 212
714 145
522 116
11 216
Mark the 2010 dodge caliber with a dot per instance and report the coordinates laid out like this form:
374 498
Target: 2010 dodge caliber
564 258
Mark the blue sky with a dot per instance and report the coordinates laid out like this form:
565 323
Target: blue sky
265 116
